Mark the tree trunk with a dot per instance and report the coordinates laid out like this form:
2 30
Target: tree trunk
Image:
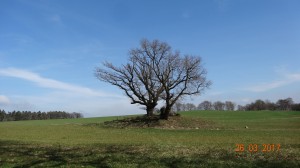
165 114
162 112
150 111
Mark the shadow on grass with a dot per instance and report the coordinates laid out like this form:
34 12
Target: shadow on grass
14 154
174 122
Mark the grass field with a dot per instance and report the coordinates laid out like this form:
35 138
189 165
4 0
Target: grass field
87 143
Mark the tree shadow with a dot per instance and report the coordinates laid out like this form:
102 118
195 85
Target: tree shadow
19 155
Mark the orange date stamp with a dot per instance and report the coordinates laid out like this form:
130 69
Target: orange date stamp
257 148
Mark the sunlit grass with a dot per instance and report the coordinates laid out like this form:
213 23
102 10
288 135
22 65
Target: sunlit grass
78 137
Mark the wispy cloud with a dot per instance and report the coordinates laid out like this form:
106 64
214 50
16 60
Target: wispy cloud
222 4
16 39
55 18
4 100
288 78
215 93
51 83
89 106
65 96
186 15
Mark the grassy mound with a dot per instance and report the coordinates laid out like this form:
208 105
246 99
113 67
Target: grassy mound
174 122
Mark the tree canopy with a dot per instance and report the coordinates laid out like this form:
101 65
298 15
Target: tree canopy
155 72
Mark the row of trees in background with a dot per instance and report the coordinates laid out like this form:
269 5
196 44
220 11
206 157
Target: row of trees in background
282 104
206 105
28 115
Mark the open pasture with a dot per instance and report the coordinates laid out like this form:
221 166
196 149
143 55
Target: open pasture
87 143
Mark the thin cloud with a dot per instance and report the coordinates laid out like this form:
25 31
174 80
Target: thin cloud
216 93
288 78
293 77
4 100
186 15
223 5
51 83
65 101
55 18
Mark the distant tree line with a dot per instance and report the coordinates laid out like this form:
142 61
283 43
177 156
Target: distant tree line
206 105
282 104
28 115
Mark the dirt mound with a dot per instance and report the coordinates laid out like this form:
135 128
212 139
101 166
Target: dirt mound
174 122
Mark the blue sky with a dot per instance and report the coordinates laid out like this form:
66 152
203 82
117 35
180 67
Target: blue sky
49 49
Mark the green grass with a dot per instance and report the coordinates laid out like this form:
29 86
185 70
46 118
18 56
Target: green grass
85 142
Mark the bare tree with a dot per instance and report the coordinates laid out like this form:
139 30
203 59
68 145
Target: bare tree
190 106
241 108
179 106
178 76
270 105
184 107
205 105
296 107
218 105
229 105
259 105
137 78
181 77
155 72
285 104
